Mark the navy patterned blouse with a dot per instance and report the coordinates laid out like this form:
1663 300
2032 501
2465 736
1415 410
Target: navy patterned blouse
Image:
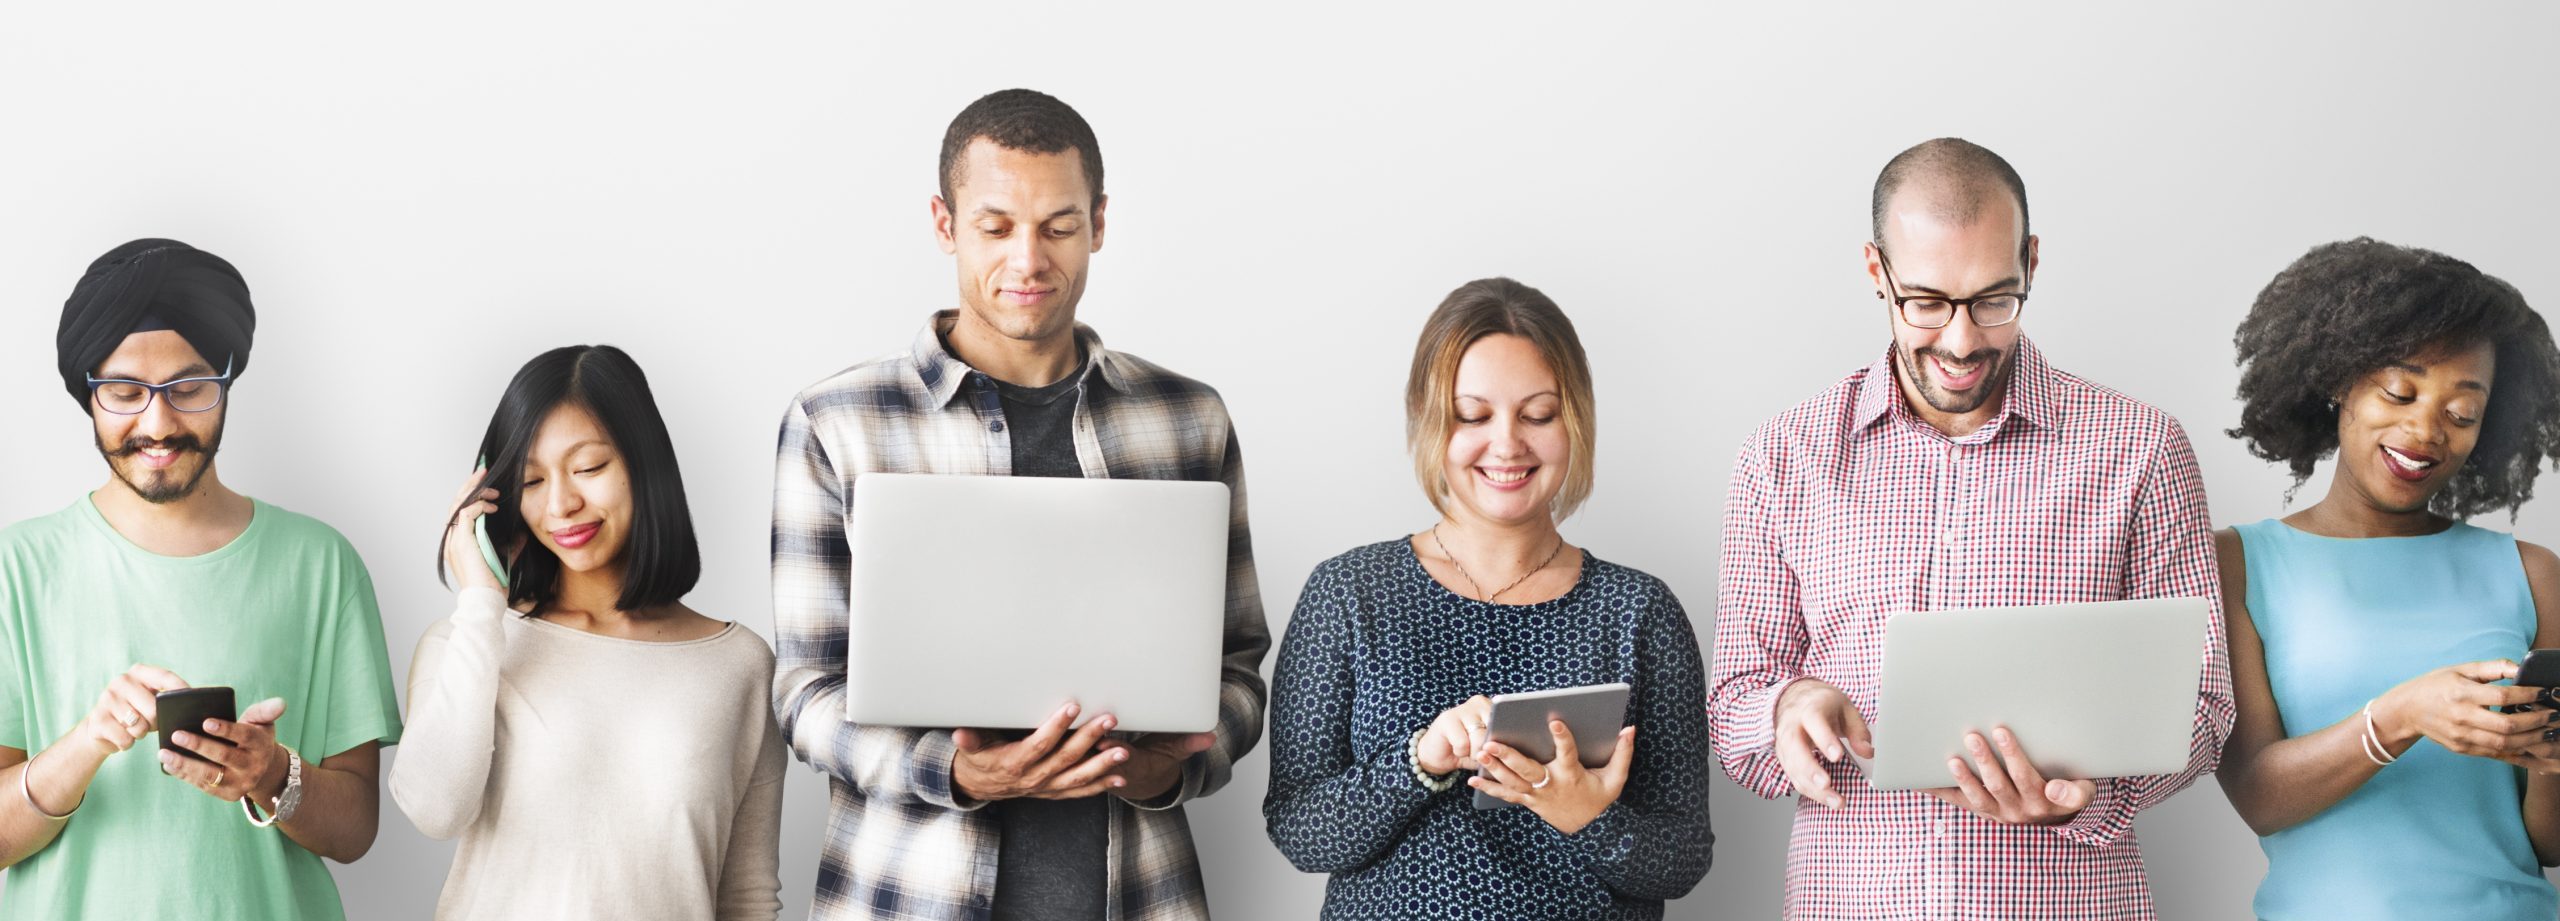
1377 649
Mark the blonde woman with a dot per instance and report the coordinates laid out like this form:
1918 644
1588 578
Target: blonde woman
1380 699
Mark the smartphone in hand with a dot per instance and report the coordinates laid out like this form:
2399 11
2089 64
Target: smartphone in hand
2541 669
488 548
187 709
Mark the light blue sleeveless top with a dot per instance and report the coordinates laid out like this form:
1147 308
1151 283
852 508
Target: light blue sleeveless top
2436 834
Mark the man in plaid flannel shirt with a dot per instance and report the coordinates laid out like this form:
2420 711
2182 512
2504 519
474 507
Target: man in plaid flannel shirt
959 823
1958 469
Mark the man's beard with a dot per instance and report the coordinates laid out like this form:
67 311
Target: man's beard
162 486
1995 379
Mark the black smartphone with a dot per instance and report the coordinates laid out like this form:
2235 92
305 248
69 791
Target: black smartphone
187 709
2541 669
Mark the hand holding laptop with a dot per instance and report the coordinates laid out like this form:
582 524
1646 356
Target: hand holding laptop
2009 789
1818 725
1053 762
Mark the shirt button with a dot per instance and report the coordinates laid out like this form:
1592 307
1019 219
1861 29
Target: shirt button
1948 537
996 426
1942 828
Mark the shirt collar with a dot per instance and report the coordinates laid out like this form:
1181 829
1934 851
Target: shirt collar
2030 398
943 373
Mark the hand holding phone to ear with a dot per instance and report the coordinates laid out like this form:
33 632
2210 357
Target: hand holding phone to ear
467 556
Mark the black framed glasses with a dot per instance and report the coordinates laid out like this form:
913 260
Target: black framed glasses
187 394
1930 311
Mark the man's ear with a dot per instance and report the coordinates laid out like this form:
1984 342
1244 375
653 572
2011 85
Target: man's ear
2033 248
1097 221
942 218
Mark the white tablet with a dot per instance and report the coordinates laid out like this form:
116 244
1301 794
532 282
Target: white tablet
989 601
1592 713
2106 689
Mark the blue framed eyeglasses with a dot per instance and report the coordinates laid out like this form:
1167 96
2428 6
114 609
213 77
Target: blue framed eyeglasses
187 394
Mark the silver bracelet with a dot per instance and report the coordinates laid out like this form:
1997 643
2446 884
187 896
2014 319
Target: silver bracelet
2373 747
29 792
1436 783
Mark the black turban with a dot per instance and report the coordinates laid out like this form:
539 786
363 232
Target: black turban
147 285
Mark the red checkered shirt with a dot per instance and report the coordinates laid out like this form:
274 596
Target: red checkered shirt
1847 510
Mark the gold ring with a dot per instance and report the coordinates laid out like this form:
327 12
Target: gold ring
218 776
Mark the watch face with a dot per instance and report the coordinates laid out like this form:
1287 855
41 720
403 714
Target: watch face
291 798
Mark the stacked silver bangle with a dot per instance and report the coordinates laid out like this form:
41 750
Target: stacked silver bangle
2373 747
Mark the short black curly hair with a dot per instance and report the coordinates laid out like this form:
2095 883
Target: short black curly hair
2345 310
1026 120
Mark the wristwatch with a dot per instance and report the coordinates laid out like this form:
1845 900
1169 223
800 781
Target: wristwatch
282 806
291 799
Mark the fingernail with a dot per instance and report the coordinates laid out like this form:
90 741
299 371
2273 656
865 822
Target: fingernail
213 726
1120 755
183 737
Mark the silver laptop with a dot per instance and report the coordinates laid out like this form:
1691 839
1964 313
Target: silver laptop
2092 690
989 601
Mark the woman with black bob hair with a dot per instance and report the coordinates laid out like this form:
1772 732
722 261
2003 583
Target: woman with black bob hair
2371 633
601 749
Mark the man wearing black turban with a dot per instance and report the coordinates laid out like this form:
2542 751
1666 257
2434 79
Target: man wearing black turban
166 565
143 287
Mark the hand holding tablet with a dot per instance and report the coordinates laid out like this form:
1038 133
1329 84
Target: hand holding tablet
1563 754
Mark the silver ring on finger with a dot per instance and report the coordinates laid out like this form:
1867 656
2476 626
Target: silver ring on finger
1542 781
132 727
218 776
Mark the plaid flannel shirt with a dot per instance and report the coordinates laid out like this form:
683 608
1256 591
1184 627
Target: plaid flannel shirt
899 843
1846 511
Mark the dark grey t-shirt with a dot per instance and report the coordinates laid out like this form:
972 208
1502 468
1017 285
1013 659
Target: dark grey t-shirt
1049 856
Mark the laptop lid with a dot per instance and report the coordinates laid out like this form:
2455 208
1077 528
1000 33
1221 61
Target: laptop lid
988 601
2105 689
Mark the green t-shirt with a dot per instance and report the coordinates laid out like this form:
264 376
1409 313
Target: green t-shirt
285 610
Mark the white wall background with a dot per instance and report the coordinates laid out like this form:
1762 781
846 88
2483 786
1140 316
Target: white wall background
423 196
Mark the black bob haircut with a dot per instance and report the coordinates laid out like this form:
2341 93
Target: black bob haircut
661 560
1026 120
2346 310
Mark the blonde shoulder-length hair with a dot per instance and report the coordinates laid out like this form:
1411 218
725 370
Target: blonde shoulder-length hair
1487 307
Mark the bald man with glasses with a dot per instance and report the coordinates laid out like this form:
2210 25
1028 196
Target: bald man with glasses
1958 469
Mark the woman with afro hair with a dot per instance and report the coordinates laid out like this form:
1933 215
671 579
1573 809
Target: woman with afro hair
2372 633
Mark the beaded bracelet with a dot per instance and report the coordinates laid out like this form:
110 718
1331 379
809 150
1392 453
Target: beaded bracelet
1436 783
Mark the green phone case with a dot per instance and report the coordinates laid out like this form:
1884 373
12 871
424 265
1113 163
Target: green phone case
488 548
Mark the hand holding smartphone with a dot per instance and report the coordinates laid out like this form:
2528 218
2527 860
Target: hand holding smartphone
489 554
2541 669
186 709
